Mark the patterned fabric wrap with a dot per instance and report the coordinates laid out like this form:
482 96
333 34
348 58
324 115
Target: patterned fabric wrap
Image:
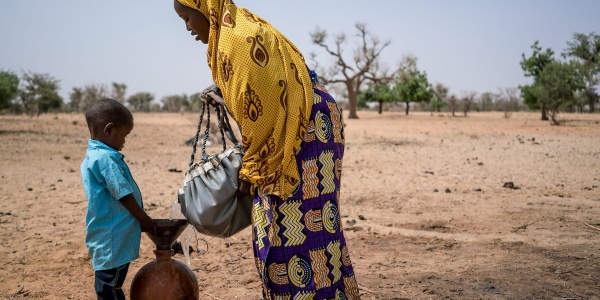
299 244
266 87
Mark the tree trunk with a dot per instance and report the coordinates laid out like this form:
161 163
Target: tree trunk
352 100
553 112
544 113
380 107
407 107
591 100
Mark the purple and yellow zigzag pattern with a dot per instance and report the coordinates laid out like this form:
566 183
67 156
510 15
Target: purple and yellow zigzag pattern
260 223
316 98
336 255
305 295
291 222
326 159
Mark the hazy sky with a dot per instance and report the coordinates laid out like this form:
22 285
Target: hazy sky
473 45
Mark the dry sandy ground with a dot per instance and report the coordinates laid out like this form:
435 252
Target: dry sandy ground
423 204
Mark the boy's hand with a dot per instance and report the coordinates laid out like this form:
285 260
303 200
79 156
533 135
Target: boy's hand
147 225
145 221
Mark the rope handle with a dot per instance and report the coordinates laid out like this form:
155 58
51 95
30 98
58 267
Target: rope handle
211 95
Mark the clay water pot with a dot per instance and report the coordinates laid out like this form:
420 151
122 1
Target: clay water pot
165 278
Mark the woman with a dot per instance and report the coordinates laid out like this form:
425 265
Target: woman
293 139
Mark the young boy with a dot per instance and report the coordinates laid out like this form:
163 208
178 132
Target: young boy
115 216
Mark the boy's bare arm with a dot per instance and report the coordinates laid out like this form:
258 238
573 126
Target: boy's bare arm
146 222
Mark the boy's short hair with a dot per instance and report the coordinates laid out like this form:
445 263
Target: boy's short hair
104 111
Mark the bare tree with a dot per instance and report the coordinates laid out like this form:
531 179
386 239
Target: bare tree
510 98
77 97
487 101
353 73
467 100
452 103
83 97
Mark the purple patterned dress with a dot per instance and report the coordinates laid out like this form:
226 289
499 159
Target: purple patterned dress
299 245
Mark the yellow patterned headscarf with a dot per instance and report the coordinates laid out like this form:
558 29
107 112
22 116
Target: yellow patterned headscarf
266 87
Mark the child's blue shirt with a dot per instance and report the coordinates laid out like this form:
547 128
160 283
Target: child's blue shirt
112 233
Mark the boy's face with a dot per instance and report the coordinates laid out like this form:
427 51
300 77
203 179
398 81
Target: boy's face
194 20
116 136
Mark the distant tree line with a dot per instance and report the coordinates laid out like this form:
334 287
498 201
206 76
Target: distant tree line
570 84
35 93
411 88
365 80
567 84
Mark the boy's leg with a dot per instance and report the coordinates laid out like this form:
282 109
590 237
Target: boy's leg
108 283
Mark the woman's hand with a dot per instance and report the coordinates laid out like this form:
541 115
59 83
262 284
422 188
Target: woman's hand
209 100
243 188
208 94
